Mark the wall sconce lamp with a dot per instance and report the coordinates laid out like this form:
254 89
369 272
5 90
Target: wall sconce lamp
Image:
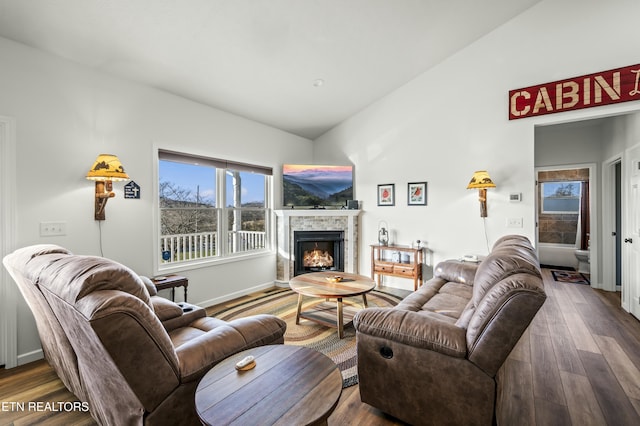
104 171
481 181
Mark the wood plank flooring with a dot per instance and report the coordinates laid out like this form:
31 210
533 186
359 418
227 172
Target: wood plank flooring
577 364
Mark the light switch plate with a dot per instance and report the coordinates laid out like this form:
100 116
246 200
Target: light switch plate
52 229
514 222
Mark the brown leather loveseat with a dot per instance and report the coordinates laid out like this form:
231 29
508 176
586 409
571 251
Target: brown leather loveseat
135 358
433 358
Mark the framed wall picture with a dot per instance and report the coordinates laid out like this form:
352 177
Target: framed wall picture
387 194
417 193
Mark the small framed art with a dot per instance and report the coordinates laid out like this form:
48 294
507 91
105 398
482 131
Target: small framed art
387 194
417 193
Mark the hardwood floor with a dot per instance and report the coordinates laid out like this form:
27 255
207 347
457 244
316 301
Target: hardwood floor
577 364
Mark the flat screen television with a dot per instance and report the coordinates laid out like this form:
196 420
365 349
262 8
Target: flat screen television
307 185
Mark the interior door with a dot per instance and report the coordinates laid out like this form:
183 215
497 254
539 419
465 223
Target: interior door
631 234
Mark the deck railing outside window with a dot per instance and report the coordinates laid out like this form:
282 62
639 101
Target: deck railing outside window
204 245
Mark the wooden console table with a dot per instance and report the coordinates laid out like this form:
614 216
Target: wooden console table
172 281
381 265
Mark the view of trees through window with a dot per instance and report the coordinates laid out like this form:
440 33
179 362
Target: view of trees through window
193 226
561 197
183 212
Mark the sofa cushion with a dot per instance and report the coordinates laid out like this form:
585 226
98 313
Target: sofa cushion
74 277
508 258
456 271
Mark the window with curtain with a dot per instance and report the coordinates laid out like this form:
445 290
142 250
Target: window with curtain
211 208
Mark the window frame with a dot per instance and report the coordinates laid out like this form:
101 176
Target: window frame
543 198
223 254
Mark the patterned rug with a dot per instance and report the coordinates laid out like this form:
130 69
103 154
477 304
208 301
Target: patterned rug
570 277
283 303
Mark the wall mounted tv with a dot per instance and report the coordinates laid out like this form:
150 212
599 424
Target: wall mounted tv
316 185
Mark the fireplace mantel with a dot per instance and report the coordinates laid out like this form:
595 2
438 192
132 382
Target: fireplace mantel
290 220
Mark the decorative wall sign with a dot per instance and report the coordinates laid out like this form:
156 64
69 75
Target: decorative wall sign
417 194
132 190
386 194
603 88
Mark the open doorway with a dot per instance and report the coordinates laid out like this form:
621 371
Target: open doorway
612 223
566 218
576 146
615 238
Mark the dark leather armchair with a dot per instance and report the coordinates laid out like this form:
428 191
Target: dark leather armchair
101 332
433 358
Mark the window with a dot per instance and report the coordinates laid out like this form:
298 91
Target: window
561 197
211 208
246 210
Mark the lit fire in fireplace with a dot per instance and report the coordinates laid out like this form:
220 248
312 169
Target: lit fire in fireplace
317 259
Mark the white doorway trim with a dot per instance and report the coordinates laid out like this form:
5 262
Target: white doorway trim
8 315
609 249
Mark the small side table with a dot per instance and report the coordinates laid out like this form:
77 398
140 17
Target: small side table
172 281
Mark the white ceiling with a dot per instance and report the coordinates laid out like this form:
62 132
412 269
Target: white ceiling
260 58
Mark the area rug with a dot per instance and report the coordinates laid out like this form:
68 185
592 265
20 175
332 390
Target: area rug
283 303
570 277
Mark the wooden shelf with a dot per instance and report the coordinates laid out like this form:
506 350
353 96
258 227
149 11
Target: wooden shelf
381 265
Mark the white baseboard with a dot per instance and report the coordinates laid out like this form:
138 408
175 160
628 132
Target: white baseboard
30 357
235 295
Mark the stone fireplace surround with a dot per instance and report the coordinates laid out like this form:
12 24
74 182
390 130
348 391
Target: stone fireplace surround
290 220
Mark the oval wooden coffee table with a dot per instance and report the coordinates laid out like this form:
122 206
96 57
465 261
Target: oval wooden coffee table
320 284
290 385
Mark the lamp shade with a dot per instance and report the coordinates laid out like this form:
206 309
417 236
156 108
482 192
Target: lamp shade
481 180
107 167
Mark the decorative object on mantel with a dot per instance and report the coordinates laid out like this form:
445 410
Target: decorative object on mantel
353 204
481 181
417 194
386 194
383 233
106 169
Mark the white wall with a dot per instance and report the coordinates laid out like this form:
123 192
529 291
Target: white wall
569 144
68 114
453 119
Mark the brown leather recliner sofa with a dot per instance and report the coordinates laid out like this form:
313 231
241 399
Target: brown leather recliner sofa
135 357
433 358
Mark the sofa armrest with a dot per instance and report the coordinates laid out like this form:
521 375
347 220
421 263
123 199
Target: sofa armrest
190 313
165 309
412 329
456 271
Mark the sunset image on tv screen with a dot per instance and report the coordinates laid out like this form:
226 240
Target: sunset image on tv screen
313 185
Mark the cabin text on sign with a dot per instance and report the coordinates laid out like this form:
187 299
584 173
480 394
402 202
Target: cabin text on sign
603 88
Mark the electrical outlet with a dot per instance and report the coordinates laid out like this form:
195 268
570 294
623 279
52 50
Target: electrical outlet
52 229
514 222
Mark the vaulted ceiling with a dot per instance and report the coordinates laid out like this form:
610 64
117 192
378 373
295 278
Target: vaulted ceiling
299 65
